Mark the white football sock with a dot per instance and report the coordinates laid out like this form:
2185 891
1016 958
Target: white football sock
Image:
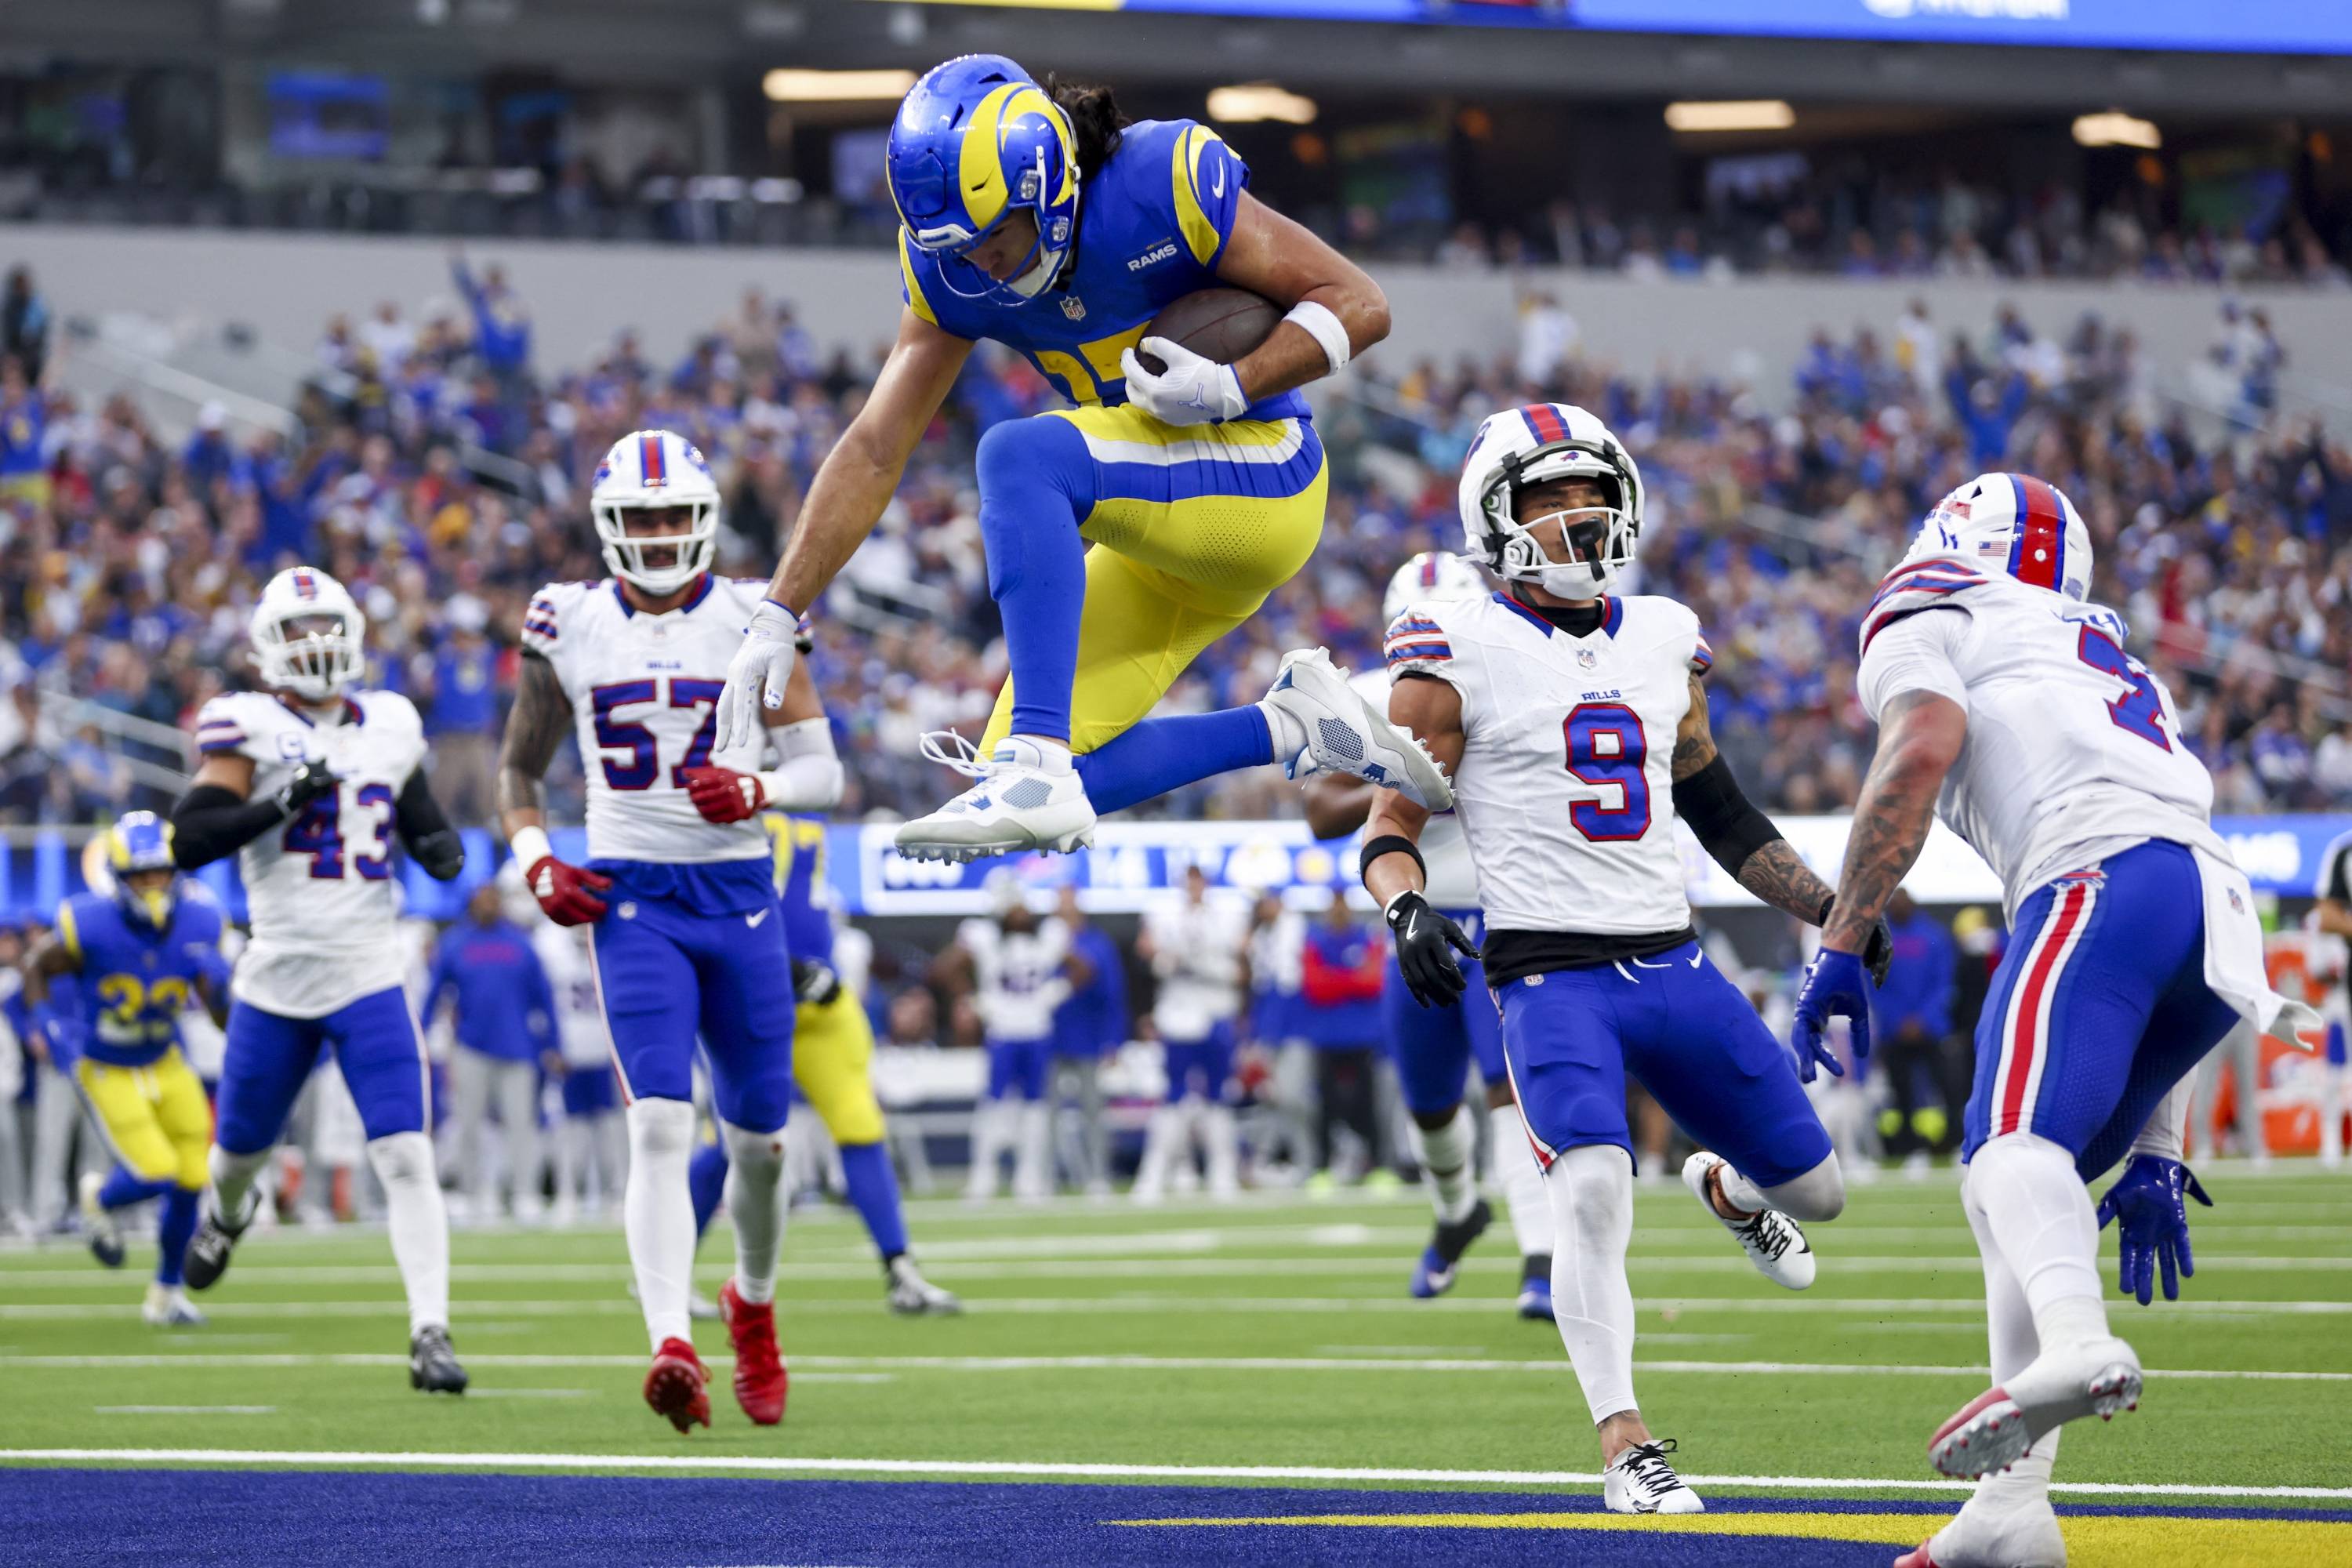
1033 1157
1160 1134
755 1203
1444 1157
1289 731
2009 1322
657 1215
2039 1213
1818 1194
1221 1140
1522 1181
233 1179
419 1225
1034 751
1590 1189
990 1133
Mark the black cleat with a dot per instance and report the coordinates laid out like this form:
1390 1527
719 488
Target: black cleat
1434 1273
98 1226
432 1364
206 1258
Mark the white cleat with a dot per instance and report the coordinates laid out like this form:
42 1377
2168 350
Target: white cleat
1774 1242
913 1296
1640 1480
168 1307
1346 734
1992 1431
1027 799
1991 1534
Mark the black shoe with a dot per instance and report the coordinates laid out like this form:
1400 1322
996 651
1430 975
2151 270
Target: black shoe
1433 1275
432 1364
206 1258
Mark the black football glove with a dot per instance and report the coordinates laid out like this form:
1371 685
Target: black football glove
813 981
1426 942
442 854
311 781
1877 953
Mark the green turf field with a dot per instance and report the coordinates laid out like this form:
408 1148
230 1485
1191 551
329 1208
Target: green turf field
1272 1333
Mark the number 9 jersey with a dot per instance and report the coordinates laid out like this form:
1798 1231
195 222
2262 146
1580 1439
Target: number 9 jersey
645 689
1565 788
319 888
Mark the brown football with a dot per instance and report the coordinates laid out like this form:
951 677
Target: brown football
1221 324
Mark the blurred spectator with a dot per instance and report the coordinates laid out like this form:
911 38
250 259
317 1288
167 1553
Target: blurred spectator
24 323
1340 984
1089 1026
462 715
1910 1023
505 1017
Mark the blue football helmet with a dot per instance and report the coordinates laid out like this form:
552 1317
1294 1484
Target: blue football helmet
141 841
976 141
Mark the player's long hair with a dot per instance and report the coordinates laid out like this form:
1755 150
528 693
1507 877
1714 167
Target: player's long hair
1094 116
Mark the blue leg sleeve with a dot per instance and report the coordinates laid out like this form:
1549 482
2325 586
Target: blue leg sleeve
1036 484
1161 754
172 1237
874 1188
123 1189
706 1179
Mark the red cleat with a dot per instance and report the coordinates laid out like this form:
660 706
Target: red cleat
674 1385
1918 1559
760 1378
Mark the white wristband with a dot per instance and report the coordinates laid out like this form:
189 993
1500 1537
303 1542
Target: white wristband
1318 322
529 845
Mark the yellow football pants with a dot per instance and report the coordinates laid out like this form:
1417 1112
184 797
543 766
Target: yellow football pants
156 1117
833 1059
1194 525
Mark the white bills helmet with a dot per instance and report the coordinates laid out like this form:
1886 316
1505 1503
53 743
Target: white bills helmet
1542 442
1430 578
2014 523
647 470
308 634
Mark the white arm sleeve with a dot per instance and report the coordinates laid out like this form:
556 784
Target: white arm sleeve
1918 653
2168 1124
810 777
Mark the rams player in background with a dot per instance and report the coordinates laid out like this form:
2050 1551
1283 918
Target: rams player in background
141 957
1039 219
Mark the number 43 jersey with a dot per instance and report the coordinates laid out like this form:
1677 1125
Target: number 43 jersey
1564 790
2074 751
319 889
646 692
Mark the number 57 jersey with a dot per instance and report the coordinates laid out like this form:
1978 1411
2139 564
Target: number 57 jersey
2073 752
1565 790
644 690
319 889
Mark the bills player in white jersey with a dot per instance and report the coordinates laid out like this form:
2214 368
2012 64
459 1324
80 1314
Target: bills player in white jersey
2007 705
306 782
1433 1046
678 884
1019 969
1199 951
1553 702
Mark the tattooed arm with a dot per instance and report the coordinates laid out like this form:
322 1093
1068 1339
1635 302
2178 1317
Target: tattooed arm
1741 838
536 727
1919 739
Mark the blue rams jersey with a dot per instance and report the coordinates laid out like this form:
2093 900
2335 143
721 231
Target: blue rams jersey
1152 222
800 882
135 980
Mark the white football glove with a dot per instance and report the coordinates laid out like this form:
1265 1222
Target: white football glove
756 676
1191 391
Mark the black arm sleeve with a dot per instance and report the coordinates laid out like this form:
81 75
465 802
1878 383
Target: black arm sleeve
210 821
1726 822
427 831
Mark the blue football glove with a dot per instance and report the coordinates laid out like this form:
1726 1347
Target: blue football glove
1836 986
2150 1199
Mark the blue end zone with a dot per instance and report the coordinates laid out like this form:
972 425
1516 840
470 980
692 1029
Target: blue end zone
261 1518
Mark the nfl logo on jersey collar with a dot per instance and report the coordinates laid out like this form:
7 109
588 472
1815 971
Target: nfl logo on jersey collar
1073 308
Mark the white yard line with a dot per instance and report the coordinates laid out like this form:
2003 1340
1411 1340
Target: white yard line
1124 1363
1073 1471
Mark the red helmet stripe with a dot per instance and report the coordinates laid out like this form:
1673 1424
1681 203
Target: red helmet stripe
1545 421
2037 544
649 459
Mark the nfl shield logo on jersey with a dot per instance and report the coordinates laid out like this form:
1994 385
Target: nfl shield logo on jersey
1586 658
1073 308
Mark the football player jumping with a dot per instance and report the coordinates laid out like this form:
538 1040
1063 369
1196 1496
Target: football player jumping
306 783
1433 1046
678 884
143 957
1046 222
2008 706
1554 702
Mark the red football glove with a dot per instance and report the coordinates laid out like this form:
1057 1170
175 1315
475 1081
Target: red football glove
568 893
723 795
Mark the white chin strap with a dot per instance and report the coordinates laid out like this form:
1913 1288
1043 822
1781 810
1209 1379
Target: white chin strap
1031 283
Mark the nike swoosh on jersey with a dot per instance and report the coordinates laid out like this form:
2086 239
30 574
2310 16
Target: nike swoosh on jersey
1694 958
753 921
1217 187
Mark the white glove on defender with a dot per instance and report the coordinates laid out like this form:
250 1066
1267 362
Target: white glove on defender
1191 391
756 675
